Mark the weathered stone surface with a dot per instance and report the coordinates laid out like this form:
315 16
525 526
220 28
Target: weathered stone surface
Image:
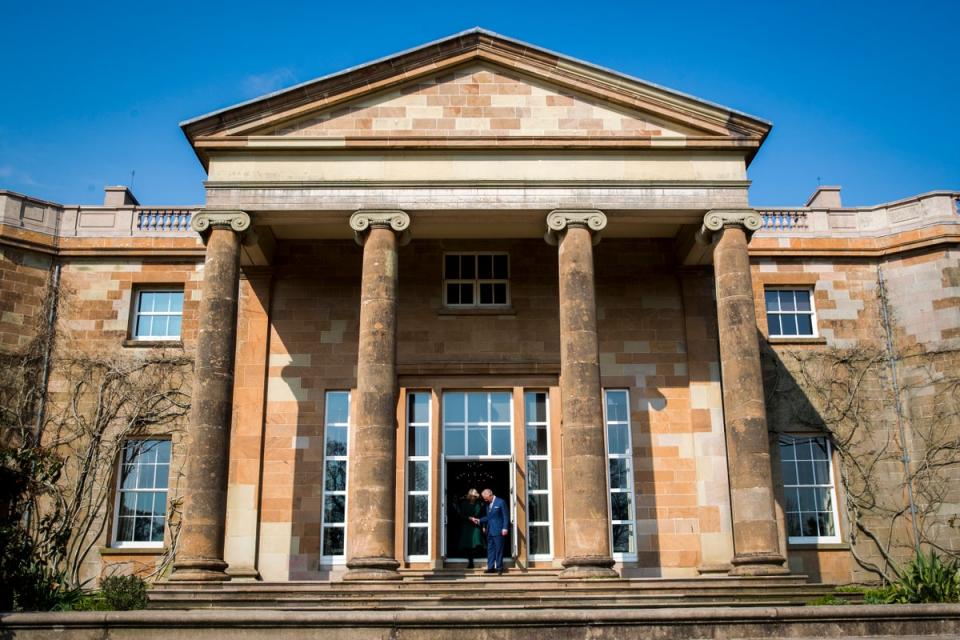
586 521
755 533
200 555
373 436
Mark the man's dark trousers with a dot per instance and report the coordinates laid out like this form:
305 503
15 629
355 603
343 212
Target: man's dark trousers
495 543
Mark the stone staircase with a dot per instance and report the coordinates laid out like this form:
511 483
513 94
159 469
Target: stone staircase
463 590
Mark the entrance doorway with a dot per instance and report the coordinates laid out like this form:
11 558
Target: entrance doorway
461 476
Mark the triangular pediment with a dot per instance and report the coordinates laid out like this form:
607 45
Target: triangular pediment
477 89
477 100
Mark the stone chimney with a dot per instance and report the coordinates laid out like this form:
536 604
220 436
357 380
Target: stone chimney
825 198
119 197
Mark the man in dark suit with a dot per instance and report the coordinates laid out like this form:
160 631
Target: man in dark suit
497 522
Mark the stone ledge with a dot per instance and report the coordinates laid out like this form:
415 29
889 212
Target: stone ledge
781 341
861 621
132 551
477 311
153 344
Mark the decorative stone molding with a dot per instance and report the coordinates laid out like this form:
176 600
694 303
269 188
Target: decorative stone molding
361 221
559 219
238 221
717 219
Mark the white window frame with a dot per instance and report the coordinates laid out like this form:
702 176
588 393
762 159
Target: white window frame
833 494
340 558
476 281
409 480
621 556
548 523
812 313
137 313
465 425
118 499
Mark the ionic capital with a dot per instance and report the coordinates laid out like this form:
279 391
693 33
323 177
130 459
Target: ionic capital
717 219
559 220
363 220
203 222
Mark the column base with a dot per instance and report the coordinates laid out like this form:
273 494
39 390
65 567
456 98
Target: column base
372 569
243 574
759 564
199 570
588 568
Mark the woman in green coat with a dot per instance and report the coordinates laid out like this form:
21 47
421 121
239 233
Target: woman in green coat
471 537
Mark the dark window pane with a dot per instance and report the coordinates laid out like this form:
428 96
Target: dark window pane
142 529
419 407
145 476
477 407
485 267
772 300
451 266
128 504
622 538
786 301
500 293
128 476
466 294
537 441
805 472
125 529
789 471
618 438
453 404
808 499
417 508
333 509
419 476
803 300
336 441
156 535
793 525
803 449
468 267
826 524
823 498
416 541
618 474
335 478
808 523
486 293
159 503
821 469
419 441
453 294
500 444
539 540
500 267
333 541
539 509
787 449
453 441
792 499
804 326
145 504
818 448
788 324
537 475
619 506
773 324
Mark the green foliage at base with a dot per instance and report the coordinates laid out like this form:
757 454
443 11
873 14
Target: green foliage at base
829 599
926 579
124 593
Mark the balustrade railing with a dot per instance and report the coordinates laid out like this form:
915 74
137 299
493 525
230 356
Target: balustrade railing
784 220
163 220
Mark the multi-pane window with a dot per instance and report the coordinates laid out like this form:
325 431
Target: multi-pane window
157 315
418 476
538 474
477 423
790 313
808 487
333 526
142 493
476 279
620 455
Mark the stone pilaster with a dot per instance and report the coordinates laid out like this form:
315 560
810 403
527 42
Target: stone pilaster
586 521
372 449
200 552
755 533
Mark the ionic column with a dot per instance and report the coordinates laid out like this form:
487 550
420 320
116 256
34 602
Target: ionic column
586 522
755 534
200 551
372 448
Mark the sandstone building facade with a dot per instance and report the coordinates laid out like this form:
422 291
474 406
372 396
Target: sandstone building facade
481 264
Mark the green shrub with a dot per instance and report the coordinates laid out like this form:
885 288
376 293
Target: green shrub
928 579
124 593
879 595
829 599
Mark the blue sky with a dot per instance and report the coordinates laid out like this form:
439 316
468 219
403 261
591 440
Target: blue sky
861 94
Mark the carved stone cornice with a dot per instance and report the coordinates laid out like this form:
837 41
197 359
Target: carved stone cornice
559 220
361 222
717 219
204 221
